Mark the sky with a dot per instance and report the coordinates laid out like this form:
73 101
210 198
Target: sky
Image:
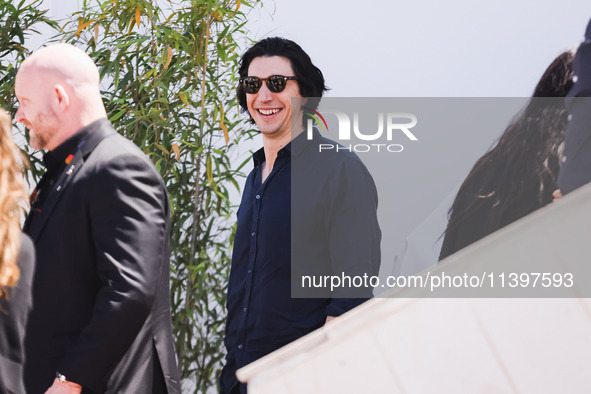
421 48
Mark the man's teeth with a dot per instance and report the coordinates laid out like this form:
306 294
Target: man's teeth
269 111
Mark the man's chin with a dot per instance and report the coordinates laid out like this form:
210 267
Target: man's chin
35 143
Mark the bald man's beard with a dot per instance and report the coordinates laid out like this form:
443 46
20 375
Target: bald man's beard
43 129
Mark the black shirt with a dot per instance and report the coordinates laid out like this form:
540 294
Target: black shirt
332 200
55 161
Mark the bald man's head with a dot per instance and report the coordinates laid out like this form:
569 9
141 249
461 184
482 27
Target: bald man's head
58 91
66 63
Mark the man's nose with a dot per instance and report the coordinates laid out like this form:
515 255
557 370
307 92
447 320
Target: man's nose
264 93
19 116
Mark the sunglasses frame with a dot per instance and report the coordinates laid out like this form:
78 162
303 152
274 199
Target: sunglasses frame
269 83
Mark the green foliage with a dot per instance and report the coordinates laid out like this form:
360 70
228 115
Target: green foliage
169 78
18 21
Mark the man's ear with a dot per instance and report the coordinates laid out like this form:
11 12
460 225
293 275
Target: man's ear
62 98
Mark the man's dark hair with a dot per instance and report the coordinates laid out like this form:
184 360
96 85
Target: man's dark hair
309 77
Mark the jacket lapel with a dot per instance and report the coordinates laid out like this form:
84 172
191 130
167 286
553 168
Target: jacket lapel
103 128
58 190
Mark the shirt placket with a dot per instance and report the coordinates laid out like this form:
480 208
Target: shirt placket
253 249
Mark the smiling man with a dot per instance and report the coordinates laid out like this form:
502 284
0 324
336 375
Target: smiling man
335 202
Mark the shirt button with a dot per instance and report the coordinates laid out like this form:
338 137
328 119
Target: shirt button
240 346
249 271
244 309
258 197
253 234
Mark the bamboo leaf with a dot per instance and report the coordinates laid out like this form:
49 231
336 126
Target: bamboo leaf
117 115
226 133
131 27
171 16
168 57
138 16
82 25
223 125
163 149
209 170
183 98
148 74
190 144
177 151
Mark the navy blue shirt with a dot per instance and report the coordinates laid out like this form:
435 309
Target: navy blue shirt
335 221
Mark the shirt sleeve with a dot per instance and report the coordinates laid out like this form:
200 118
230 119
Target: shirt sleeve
354 234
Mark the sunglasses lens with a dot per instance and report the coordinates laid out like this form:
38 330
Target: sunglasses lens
251 84
276 83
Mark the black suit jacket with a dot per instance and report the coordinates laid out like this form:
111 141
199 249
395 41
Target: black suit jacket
101 288
14 312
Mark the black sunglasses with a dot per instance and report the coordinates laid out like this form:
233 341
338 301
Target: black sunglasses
275 83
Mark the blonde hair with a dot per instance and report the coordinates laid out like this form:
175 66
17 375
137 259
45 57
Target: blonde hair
12 193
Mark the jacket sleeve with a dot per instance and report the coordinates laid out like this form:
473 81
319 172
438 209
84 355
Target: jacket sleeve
14 312
128 213
576 162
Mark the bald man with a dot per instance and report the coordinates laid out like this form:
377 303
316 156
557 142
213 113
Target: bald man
99 219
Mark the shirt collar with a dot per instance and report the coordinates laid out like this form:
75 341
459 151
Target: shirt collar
54 158
301 140
259 156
